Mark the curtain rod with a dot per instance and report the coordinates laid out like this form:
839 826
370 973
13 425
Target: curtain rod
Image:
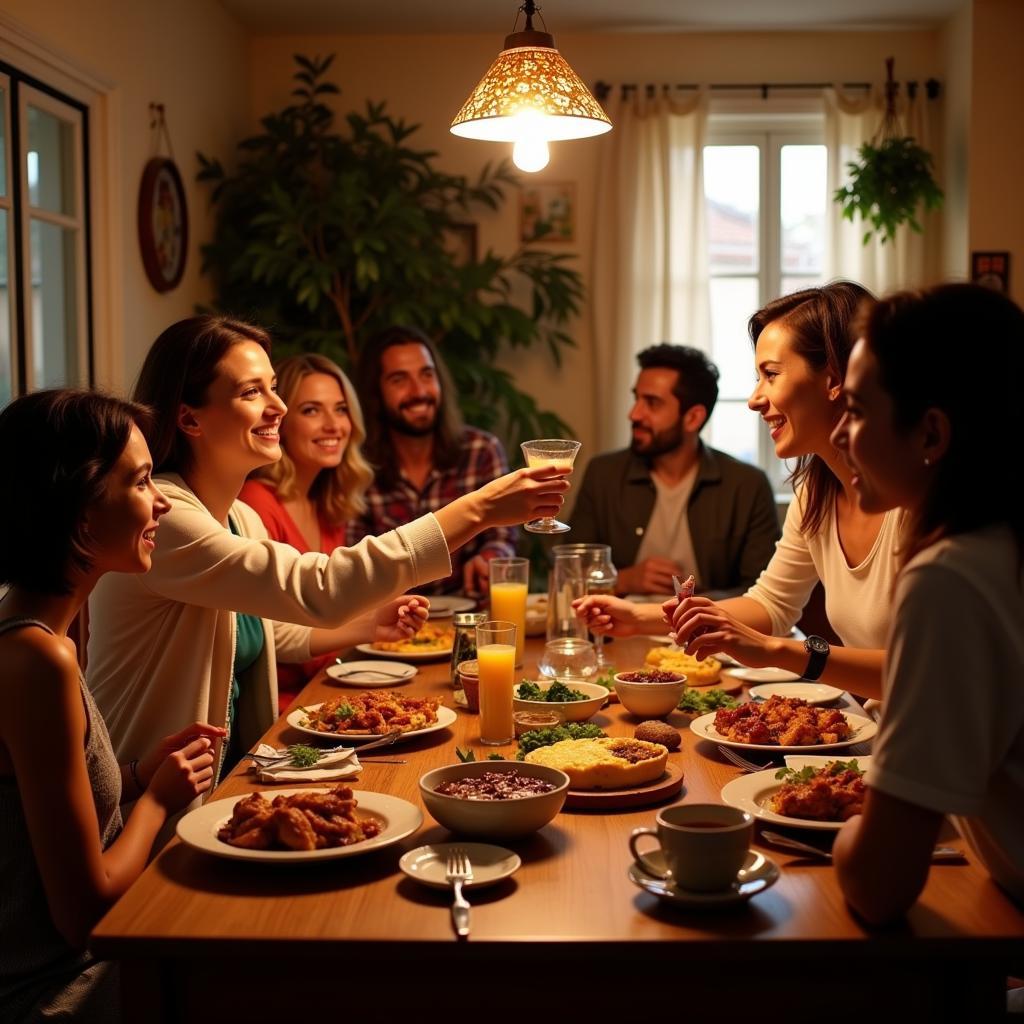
603 90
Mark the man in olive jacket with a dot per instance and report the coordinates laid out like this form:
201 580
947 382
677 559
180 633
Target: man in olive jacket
669 504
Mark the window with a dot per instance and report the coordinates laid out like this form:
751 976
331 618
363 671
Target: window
765 190
44 272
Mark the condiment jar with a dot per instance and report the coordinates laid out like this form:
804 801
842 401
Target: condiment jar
468 693
527 721
464 644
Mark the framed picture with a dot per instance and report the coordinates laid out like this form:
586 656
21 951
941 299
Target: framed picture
459 241
992 269
163 224
547 212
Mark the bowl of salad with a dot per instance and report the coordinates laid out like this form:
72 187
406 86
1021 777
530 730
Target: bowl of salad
576 701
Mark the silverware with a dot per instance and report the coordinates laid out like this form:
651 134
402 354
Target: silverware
457 871
266 760
741 762
368 672
939 853
381 760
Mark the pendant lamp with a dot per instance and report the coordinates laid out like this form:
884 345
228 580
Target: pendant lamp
530 97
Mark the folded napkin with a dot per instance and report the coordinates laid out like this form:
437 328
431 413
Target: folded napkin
337 765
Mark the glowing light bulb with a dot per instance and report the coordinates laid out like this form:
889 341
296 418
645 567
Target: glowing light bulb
531 155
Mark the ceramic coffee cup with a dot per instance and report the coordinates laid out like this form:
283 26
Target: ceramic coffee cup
703 845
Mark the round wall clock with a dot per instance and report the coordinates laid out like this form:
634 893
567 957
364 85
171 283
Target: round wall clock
163 224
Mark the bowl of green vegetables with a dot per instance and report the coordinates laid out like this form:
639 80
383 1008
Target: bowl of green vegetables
576 701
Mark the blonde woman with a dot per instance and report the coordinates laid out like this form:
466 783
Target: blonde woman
306 498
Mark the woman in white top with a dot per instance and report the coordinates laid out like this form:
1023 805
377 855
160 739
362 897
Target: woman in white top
926 428
198 639
802 344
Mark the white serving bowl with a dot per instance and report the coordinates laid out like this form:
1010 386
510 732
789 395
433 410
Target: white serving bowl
493 819
649 700
571 710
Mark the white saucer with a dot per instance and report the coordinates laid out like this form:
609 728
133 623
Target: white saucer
491 864
763 675
813 693
367 674
757 874
443 607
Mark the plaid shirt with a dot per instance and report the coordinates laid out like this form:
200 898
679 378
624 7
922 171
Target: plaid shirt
482 459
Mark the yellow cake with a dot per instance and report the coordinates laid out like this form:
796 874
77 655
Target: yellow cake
611 762
673 659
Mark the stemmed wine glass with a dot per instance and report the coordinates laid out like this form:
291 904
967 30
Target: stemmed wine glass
549 452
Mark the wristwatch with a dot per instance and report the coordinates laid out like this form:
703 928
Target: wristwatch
818 650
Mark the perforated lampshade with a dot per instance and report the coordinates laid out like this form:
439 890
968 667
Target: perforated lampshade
530 77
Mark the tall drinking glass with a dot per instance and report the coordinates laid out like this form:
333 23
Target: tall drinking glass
496 659
549 452
565 585
510 581
599 576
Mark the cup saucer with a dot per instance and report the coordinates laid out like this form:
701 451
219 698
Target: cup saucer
757 874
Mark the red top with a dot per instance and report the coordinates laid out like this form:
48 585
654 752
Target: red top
263 499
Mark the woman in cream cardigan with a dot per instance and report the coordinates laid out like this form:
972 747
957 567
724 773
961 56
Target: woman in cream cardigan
199 636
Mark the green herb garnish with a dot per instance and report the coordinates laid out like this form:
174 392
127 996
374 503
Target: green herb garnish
700 703
556 693
545 737
607 680
495 757
805 774
303 756
467 756
343 711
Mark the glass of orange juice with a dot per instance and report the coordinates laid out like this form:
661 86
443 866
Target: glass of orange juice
496 663
510 580
549 452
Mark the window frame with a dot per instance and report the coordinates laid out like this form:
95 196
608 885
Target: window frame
794 121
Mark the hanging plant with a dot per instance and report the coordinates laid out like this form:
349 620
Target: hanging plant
891 179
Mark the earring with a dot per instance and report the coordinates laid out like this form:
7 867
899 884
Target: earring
927 461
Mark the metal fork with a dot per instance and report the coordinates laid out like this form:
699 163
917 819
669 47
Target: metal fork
367 672
265 760
741 762
457 871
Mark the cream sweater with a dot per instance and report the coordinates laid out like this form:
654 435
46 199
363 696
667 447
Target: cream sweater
161 644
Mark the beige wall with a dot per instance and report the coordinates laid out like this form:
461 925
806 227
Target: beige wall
996 143
189 55
426 78
956 41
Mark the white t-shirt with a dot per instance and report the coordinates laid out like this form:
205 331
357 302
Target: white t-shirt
857 598
667 534
952 731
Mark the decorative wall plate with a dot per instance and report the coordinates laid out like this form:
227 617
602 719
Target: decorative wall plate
163 224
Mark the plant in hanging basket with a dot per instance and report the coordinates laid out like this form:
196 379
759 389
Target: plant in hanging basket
887 185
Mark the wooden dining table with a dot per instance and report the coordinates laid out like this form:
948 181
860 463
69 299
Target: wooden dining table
205 938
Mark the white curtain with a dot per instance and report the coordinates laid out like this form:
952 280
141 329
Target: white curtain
650 279
913 260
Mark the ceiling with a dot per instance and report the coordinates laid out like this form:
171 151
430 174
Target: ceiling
475 16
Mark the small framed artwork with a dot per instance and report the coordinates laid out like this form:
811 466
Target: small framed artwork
991 269
163 224
459 242
547 212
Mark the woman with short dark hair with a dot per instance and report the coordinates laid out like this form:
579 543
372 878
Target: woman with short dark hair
223 603
926 429
86 505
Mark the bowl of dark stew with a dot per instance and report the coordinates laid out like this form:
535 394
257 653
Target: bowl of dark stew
494 799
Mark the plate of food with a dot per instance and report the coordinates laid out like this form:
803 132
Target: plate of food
810 792
706 672
299 825
364 674
783 723
813 693
367 716
430 643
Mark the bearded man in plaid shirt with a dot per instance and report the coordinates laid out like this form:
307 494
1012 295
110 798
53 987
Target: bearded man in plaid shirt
422 453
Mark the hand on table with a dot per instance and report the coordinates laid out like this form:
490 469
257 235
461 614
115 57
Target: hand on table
651 576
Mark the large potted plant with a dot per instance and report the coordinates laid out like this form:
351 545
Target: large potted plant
327 235
891 179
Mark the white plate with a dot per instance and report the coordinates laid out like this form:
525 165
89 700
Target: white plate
813 693
762 675
440 607
366 674
750 793
199 829
445 718
405 655
757 874
491 864
863 729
